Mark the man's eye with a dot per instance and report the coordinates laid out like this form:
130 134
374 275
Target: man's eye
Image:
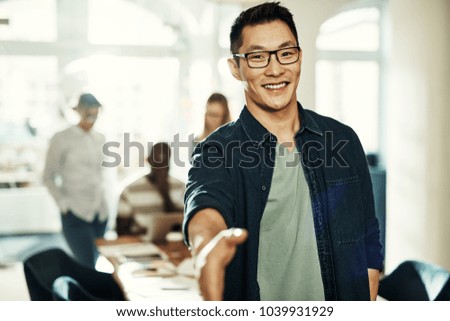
257 57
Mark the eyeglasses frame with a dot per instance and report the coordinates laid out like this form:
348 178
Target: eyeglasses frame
271 52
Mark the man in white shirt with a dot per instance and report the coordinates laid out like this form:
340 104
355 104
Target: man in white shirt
74 177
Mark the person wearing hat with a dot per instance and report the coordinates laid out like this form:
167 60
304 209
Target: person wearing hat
74 177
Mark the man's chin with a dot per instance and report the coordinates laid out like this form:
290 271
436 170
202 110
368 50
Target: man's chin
275 106
279 102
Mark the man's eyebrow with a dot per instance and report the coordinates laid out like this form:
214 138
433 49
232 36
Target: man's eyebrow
255 47
288 43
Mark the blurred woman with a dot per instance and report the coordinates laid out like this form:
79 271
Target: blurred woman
216 115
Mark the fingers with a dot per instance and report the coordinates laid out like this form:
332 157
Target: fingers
219 253
223 245
235 236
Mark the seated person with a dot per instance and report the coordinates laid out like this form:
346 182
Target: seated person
153 193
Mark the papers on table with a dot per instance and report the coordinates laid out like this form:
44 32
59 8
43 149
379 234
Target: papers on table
186 268
156 281
145 272
130 250
174 288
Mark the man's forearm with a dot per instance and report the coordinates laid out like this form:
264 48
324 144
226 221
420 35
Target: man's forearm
213 247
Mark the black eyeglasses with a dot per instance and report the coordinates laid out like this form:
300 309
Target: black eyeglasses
261 59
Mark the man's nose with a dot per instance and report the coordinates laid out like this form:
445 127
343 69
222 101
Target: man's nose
274 67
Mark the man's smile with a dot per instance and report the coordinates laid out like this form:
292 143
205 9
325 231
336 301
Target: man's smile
276 86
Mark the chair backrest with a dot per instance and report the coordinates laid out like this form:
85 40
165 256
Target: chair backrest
416 281
66 288
43 268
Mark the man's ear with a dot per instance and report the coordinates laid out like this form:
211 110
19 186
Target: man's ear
234 68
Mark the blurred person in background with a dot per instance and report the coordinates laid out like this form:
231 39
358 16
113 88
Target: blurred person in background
217 114
75 178
155 192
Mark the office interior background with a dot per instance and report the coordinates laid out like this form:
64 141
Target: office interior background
380 66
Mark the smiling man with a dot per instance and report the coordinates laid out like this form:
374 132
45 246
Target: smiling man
279 203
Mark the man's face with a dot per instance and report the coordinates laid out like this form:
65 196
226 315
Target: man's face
159 159
272 88
215 115
88 114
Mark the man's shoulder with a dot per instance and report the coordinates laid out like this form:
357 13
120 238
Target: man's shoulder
228 132
326 123
66 131
98 137
63 134
135 182
73 133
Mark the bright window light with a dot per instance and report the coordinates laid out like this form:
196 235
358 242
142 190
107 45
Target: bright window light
348 91
29 20
348 74
137 93
28 87
351 30
123 22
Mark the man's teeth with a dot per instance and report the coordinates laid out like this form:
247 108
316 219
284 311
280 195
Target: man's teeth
277 86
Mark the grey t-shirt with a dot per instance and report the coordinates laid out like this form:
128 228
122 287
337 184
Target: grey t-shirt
288 261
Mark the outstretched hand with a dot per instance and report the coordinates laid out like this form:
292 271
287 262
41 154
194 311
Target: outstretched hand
211 262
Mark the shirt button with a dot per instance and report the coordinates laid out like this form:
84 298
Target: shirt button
263 188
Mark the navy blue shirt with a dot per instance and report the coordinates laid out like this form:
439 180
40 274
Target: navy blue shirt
232 173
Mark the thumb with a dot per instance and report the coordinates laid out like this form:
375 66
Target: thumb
235 236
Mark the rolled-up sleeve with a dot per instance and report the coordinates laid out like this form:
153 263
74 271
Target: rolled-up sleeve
209 184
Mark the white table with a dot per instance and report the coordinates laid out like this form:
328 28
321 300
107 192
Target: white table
144 276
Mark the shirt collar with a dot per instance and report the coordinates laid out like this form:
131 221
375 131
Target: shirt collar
308 122
258 133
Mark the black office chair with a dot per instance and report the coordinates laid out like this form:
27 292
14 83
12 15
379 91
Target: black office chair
66 288
416 281
43 268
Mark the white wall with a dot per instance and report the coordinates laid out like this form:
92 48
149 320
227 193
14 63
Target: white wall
418 186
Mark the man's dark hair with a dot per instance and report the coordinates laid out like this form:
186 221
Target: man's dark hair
263 13
159 155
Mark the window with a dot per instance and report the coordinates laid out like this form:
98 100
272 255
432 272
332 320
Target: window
27 88
349 70
152 64
28 20
137 96
123 22
356 30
